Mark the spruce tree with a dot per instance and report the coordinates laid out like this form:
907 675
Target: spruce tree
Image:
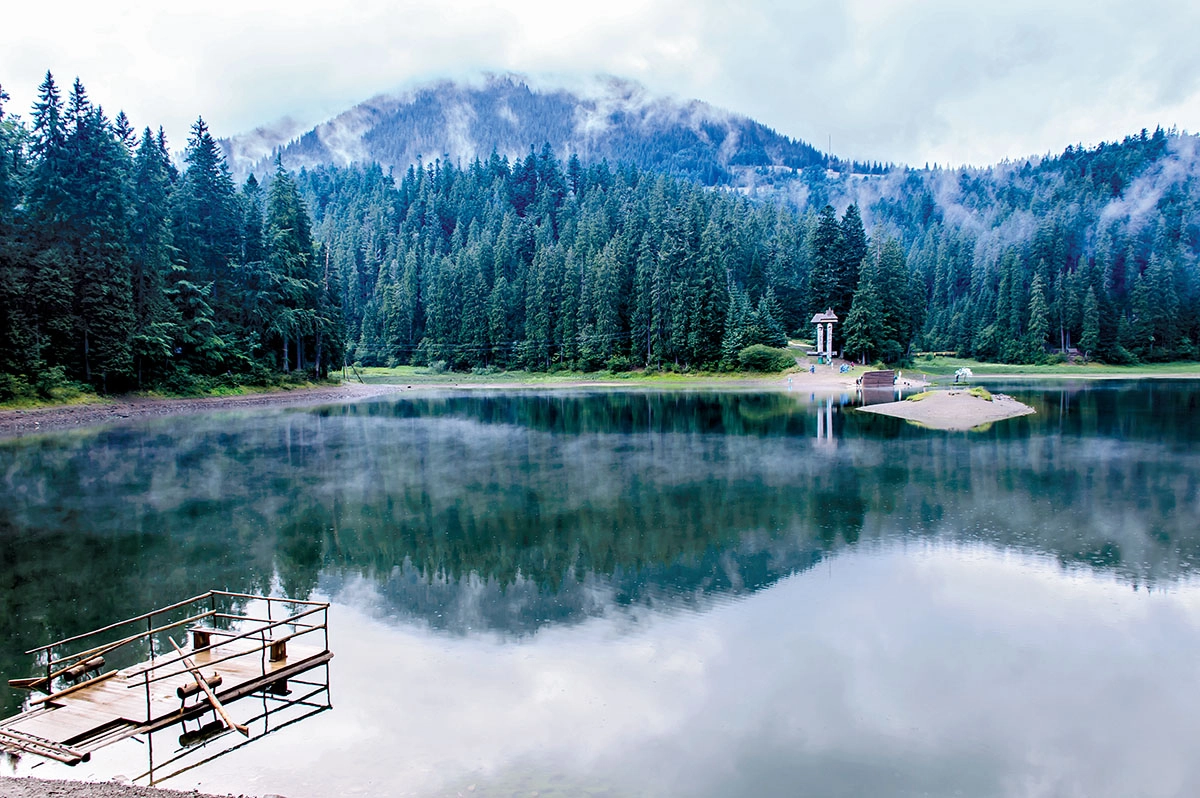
150 249
1039 322
825 253
852 252
1089 341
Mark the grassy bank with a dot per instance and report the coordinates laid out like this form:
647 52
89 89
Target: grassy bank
946 366
76 394
418 375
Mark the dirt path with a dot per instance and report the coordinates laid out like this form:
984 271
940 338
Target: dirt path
14 423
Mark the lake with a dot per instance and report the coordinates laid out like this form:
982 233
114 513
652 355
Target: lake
619 593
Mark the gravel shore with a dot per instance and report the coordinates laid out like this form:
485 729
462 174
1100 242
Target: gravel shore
15 423
44 788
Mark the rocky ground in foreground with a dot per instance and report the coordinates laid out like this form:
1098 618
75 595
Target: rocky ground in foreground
42 788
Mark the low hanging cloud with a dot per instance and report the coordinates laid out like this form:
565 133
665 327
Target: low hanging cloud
897 80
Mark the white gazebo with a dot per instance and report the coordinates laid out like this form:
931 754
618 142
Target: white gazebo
825 322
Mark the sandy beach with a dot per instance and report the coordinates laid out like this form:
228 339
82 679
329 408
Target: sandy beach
953 410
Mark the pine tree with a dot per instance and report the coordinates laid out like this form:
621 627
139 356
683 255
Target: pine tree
292 316
865 330
1039 322
852 252
1089 341
738 319
150 259
825 252
206 220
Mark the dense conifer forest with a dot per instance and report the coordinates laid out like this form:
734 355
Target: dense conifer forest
119 270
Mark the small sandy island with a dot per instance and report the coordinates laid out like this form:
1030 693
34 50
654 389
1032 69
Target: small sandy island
953 409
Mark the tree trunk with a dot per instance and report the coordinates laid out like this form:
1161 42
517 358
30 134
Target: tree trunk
285 354
317 364
87 363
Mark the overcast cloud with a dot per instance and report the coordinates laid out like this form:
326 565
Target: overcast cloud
909 81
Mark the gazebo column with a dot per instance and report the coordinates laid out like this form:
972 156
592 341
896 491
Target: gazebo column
820 339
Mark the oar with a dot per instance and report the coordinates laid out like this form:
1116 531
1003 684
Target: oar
212 697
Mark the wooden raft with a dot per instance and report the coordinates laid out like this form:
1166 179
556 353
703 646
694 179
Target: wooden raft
67 725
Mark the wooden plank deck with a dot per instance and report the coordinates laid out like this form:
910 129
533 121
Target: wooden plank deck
117 705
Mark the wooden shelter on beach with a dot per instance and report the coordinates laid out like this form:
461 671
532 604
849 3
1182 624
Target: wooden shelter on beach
79 706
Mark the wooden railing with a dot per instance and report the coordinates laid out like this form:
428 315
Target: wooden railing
311 620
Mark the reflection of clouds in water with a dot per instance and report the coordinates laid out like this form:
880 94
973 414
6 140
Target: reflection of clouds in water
893 670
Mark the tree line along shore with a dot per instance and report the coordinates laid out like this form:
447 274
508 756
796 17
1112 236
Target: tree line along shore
120 271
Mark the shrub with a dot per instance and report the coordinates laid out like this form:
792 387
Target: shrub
14 387
765 359
52 383
619 363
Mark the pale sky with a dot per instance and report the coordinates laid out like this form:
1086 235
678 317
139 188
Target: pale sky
942 81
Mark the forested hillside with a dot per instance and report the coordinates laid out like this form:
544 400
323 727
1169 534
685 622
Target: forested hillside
538 264
541 266
119 270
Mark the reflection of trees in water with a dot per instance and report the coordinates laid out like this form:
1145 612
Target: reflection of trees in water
537 509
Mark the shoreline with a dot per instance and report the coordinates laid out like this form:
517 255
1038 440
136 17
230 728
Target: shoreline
33 787
17 423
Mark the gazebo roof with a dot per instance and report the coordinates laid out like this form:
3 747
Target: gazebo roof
827 316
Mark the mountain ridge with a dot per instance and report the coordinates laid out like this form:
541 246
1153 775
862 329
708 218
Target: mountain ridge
610 119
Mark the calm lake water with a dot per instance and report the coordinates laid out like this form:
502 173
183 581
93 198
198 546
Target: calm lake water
661 594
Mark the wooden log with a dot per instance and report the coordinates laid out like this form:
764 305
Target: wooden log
93 664
212 697
43 747
205 732
55 696
189 690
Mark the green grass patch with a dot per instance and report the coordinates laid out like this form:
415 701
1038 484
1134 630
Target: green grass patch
917 397
419 375
980 392
942 366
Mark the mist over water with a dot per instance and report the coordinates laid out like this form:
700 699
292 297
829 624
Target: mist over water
661 593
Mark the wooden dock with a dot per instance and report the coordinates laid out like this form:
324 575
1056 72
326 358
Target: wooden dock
250 655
